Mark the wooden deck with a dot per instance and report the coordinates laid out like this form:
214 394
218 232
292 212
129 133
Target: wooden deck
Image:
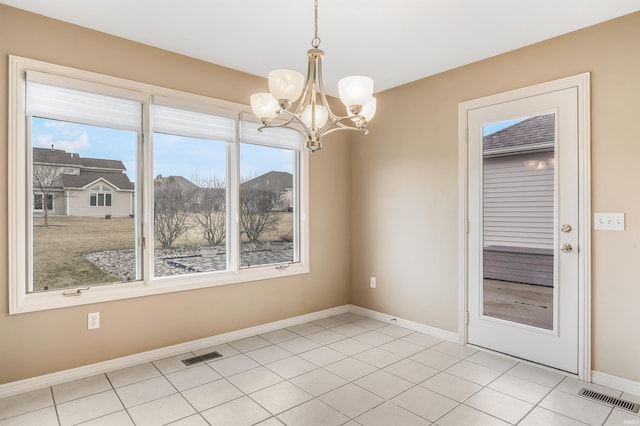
522 303
519 264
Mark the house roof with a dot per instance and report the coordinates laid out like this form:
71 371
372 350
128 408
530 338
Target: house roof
91 169
533 133
119 180
180 180
271 181
63 158
55 156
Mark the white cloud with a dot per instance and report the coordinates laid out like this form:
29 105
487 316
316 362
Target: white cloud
76 143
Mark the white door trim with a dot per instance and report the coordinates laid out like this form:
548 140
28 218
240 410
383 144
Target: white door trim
582 83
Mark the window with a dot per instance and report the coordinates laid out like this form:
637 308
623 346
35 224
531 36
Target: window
100 196
73 246
190 189
38 204
206 199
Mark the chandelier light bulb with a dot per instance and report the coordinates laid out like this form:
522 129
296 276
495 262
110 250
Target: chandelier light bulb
264 106
368 111
321 116
355 90
286 84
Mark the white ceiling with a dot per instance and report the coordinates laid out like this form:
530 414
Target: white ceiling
392 41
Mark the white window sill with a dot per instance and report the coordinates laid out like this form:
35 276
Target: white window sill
55 299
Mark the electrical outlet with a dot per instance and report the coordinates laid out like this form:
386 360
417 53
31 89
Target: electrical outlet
372 282
93 320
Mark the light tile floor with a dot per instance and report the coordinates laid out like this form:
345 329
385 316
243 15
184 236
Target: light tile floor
343 370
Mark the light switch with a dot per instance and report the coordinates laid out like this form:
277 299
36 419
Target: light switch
608 221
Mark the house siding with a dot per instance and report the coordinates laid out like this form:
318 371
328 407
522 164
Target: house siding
121 205
519 200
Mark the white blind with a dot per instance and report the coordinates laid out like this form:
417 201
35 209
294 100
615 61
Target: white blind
273 136
183 122
79 106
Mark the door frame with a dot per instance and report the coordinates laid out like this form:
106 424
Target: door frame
582 83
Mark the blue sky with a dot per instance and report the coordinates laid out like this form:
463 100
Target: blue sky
487 129
173 155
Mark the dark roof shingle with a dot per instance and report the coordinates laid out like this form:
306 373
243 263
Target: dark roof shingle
61 157
119 180
110 170
537 131
271 181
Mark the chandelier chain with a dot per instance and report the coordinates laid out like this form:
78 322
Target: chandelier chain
315 42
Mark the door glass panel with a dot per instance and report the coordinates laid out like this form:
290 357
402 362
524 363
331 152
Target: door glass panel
518 220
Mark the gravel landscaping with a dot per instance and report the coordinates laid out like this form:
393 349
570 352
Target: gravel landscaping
188 259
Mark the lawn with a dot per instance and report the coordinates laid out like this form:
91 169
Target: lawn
58 248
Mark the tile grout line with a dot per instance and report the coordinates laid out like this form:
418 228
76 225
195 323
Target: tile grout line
55 406
262 363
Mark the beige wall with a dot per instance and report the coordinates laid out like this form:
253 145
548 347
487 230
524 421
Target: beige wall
404 185
397 221
44 342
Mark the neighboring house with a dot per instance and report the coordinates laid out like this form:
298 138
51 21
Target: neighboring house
278 182
518 191
203 197
76 186
183 182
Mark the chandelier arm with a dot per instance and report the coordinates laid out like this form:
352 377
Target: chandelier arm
271 124
283 124
339 125
307 132
323 96
305 98
335 129
304 134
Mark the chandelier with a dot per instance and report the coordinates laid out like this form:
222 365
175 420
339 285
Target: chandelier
312 116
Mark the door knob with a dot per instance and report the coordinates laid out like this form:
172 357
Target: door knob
566 248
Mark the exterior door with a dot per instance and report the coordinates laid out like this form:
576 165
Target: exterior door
524 227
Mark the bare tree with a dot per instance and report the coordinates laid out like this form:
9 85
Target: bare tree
173 202
46 179
258 212
210 208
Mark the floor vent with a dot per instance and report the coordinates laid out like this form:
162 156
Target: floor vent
616 402
202 358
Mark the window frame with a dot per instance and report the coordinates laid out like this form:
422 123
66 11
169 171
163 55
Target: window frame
40 195
20 250
94 194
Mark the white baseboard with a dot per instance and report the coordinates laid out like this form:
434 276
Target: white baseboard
597 377
411 325
53 379
34 383
65 376
625 385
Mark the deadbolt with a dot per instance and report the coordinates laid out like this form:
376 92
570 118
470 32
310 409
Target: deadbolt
566 248
566 228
